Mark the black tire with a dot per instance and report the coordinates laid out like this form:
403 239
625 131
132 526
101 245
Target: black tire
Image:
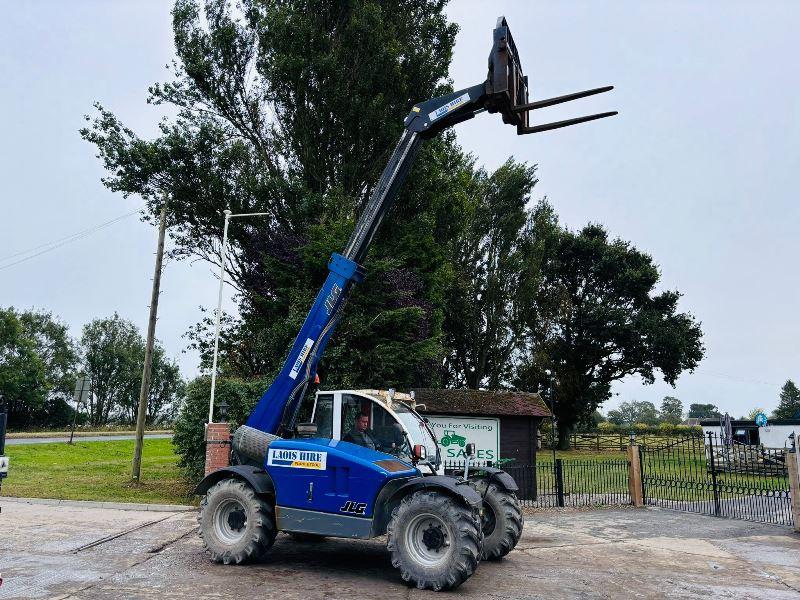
501 520
451 550
236 524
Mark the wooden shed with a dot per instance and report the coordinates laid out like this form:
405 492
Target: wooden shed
518 415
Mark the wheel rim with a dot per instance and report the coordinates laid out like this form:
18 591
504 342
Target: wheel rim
428 540
488 520
230 521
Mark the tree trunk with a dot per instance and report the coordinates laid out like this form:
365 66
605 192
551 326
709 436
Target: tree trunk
563 436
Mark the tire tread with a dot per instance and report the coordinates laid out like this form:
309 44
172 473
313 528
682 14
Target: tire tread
464 522
264 530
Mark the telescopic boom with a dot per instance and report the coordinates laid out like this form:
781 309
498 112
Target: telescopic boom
505 91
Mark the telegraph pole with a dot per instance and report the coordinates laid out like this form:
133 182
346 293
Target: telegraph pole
148 352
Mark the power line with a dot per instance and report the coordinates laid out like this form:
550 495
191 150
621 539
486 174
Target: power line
736 379
55 244
68 238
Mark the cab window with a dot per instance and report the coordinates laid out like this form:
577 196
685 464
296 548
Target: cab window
386 433
323 415
351 409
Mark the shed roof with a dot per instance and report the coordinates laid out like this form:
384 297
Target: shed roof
481 402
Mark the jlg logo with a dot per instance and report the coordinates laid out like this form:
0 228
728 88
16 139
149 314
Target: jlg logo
356 508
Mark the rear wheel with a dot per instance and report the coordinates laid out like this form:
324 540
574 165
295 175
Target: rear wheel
501 520
434 541
236 524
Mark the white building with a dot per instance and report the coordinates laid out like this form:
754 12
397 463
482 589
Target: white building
775 434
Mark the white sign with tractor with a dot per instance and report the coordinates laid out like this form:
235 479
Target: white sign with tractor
454 433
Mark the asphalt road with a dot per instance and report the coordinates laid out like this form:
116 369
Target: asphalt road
98 553
92 438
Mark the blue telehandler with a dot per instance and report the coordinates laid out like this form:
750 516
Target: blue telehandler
307 479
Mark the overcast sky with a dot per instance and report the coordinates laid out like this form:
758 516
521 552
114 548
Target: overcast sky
699 169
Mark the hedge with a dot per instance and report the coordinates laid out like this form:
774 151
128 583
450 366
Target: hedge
662 428
189 429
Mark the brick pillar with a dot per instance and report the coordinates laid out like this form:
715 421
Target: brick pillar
218 446
635 476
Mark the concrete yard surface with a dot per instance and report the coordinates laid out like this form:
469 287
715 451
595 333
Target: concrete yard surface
71 552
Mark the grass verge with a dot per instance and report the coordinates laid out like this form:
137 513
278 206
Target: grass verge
98 471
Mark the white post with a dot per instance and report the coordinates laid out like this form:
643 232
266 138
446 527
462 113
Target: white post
223 254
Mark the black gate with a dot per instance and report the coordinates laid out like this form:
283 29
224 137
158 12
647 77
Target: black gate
567 482
712 475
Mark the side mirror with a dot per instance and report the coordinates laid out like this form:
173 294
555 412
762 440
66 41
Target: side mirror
470 450
420 452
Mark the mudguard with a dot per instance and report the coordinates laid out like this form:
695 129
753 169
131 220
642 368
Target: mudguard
257 477
500 477
394 491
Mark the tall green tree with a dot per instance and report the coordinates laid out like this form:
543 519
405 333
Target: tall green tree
50 352
292 109
789 404
113 356
635 411
111 349
703 411
482 327
59 355
56 348
596 319
23 379
671 410
167 389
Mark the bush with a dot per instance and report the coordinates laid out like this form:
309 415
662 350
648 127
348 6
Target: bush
666 428
189 429
684 429
607 427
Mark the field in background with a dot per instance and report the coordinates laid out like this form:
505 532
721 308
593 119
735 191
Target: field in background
546 455
96 471
601 442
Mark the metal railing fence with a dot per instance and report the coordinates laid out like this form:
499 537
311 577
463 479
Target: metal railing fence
710 475
572 483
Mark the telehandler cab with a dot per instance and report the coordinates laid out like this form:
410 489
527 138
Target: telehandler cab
305 479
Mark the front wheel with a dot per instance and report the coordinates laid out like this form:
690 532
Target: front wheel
236 524
434 541
501 520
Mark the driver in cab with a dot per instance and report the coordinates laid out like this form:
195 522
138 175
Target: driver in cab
362 434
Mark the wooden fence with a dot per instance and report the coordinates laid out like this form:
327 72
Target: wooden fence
612 441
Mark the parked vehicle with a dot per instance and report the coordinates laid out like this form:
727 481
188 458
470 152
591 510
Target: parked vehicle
304 479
